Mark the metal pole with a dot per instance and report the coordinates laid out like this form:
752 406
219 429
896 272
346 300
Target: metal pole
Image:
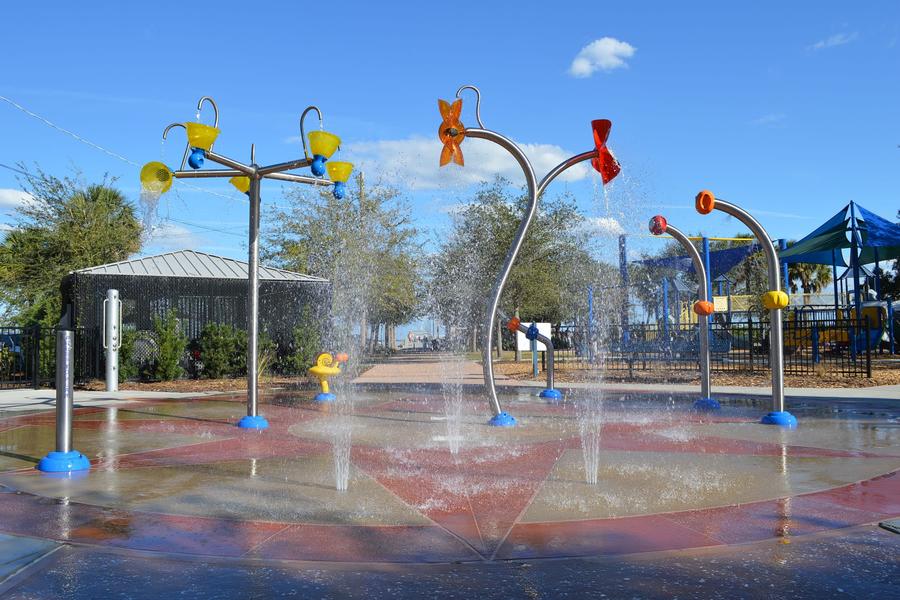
623 273
65 384
854 260
708 269
253 420
835 282
776 333
112 337
703 289
64 459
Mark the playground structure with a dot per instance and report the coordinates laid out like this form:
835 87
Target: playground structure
703 308
157 178
327 366
452 133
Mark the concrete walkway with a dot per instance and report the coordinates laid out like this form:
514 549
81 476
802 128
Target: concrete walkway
29 399
432 369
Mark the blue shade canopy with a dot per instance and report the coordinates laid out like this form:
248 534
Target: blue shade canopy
876 239
720 261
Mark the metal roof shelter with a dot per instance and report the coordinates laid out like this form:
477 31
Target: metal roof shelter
201 288
190 263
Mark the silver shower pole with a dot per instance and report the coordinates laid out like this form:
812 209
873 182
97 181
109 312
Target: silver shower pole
112 337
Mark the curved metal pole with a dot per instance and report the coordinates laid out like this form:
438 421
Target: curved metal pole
477 101
303 132
187 145
535 191
776 343
215 108
491 313
702 320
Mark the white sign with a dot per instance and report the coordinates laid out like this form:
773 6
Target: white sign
523 344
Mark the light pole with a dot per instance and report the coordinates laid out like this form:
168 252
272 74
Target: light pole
157 177
452 133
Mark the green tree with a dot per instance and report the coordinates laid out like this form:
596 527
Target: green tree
364 245
549 279
67 225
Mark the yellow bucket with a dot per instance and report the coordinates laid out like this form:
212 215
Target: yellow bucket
156 178
323 143
339 171
241 183
201 136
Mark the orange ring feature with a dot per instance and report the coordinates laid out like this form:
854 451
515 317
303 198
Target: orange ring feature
704 308
513 324
706 202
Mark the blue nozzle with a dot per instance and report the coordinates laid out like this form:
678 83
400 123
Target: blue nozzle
504 419
532 332
257 422
340 190
196 158
318 165
780 418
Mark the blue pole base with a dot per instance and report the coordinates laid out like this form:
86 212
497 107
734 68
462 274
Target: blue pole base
257 422
63 462
780 418
504 419
325 397
551 394
707 404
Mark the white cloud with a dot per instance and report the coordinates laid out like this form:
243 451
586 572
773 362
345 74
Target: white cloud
838 39
604 54
606 226
769 119
413 162
10 198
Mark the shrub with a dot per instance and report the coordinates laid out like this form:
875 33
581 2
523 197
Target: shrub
128 367
219 345
172 343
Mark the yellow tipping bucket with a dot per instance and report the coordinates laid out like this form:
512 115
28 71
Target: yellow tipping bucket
323 143
241 183
339 171
156 178
201 136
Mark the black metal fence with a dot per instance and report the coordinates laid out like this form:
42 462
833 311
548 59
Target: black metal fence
836 346
28 356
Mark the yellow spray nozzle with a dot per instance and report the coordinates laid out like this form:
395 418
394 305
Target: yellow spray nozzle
323 143
156 178
339 171
241 183
201 136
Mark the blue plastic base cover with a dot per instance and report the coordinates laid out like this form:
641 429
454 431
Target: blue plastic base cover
551 394
504 419
780 418
325 397
63 462
257 422
707 404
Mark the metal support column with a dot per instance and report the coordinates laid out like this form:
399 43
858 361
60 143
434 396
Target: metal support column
112 337
64 459
253 420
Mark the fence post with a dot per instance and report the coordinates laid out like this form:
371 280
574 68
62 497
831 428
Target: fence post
815 343
750 339
36 357
868 350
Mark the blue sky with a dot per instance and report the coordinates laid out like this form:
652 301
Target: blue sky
790 109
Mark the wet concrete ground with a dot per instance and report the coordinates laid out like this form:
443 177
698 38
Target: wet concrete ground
178 500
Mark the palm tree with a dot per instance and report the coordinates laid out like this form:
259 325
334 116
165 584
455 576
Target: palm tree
811 278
